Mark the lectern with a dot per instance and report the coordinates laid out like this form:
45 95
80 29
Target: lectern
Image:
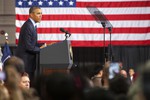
57 57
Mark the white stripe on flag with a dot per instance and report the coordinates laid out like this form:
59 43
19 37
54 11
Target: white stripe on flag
94 37
90 24
84 11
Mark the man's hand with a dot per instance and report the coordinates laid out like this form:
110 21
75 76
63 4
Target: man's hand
43 46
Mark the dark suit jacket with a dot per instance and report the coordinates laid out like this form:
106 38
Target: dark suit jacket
28 46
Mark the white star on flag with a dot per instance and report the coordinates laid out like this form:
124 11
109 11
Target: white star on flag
29 3
71 3
40 2
50 3
20 3
60 3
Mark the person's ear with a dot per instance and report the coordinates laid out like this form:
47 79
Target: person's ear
31 15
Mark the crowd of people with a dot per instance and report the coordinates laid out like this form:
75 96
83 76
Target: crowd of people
74 85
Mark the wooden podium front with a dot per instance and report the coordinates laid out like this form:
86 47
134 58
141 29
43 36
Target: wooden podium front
57 57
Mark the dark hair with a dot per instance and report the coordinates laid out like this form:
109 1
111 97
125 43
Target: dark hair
119 84
31 10
97 68
16 62
24 74
99 94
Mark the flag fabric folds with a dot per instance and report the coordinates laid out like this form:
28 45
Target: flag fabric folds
130 20
6 53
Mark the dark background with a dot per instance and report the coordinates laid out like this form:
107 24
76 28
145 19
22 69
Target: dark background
86 57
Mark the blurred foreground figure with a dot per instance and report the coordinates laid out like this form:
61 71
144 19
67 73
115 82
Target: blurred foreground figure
140 90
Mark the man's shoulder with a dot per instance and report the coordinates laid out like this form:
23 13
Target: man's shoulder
28 23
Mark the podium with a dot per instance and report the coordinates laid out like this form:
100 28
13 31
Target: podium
57 57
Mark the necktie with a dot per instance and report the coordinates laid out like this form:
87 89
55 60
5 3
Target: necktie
36 28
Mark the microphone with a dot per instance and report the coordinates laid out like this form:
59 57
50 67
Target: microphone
63 30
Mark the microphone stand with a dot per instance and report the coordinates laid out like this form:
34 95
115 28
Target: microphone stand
66 36
104 42
110 45
101 19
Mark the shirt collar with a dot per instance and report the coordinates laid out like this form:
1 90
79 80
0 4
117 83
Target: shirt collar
33 22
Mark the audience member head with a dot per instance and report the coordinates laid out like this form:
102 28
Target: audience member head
98 70
123 73
25 81
121 65
61 86
15 62
131 72
119 84
99 94
97 78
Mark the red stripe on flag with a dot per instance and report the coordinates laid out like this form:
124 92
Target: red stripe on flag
92 30
100 43
114 4
88 17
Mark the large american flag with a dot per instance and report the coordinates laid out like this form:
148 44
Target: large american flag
130 20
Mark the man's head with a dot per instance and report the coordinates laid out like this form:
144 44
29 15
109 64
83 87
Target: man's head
25 81
131 72
123 73
35 13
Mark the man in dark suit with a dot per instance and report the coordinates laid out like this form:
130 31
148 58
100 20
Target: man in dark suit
28 46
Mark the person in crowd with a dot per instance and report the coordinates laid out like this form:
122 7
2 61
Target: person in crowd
123 73
62 86
105 76
121 65
15 62
28 47
4 95
97 93
131 74
25 81
119 85
11 83
140 90
97 78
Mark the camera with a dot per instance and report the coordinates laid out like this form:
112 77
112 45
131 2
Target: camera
113 69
